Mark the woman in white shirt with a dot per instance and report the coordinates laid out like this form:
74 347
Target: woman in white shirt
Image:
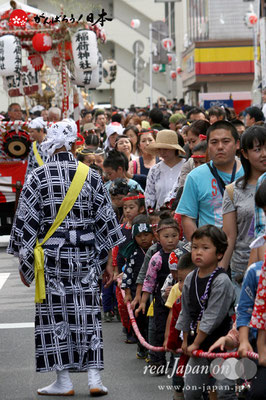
163 175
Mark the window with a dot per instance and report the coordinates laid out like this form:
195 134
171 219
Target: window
198 20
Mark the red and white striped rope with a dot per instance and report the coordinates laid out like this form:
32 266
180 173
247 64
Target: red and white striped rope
64 80
196 353
26 31
21 124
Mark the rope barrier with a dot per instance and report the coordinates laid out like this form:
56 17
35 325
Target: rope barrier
196 353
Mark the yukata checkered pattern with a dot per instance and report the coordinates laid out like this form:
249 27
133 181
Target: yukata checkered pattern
32 162
68 331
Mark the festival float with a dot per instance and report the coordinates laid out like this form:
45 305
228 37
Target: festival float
33 45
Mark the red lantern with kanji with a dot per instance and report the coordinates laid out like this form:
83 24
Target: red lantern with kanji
179 70
42 42
36 61
18 18
68 50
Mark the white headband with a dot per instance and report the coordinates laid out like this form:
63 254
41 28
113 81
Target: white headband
62 133
37 123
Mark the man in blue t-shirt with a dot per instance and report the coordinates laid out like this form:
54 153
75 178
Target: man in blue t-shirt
203 191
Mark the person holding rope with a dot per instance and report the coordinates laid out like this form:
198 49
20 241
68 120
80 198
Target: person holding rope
253 325
63 233
207 300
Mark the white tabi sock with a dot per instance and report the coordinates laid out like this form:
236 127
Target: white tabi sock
95 383
62 385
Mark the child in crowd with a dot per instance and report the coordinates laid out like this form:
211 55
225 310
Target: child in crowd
86 156
171 280
172 341
143 237
158 270
118 190
154 219
99 157
133 205
207 299
115 166
199 155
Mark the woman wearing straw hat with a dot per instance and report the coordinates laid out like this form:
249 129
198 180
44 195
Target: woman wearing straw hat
163 175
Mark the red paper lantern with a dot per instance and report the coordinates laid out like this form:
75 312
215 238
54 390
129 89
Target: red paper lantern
170 57
179 70
155 67
42 42
18 18
253 19
68 50
168 43
36 61
173 75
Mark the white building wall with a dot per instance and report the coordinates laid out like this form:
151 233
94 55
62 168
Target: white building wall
226 19
229 86
180 30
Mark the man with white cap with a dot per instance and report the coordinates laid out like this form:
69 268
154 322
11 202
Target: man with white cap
36 157
66 247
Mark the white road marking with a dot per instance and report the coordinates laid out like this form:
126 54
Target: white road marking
17 325
3 277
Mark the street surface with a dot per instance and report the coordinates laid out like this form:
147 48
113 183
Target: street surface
123 375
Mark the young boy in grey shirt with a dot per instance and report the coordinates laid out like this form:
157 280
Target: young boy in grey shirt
207 300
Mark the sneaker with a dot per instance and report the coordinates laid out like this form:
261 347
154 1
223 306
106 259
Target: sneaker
131 340
107 317
117 315
141 354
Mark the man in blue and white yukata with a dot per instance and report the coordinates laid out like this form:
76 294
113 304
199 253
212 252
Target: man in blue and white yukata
68 333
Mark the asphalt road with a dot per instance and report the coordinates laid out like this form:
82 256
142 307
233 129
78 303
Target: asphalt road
124 375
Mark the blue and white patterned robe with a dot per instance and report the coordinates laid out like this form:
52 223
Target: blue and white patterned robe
32 161
68 331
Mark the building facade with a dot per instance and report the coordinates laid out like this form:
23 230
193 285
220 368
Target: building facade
219 47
